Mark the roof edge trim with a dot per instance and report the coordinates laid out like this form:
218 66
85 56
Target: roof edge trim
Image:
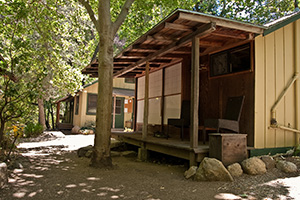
282 24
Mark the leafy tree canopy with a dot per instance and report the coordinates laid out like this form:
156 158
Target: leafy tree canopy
43 47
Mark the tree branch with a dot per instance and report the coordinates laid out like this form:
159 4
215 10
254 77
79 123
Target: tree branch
91 13
10 75
122 16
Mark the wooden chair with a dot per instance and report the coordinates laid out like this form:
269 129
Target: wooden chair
231 119
184 120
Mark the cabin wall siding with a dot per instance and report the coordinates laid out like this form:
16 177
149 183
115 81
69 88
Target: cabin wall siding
82 119
275 60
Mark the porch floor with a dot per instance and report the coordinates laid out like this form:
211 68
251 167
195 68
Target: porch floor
171 146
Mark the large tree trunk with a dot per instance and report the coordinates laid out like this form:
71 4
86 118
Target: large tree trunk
101 156
42 119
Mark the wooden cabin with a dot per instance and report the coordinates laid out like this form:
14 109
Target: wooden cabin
207 59
80 110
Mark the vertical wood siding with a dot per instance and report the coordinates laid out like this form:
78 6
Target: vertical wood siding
274 67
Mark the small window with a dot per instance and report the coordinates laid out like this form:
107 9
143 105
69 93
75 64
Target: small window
231 61
77 105
129 80
91 104
118 107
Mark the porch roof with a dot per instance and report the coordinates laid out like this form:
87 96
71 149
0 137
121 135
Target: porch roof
170 40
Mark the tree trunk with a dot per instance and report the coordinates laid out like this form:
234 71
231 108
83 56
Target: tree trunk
2 125
42 119
52 117
101 156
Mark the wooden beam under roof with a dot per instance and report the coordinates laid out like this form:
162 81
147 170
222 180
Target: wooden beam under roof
221 22
131 54
202 30
178 27
160 38
146 48
235 36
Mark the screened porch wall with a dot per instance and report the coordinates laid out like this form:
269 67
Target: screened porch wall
172 95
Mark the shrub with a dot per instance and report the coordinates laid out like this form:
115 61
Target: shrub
33 130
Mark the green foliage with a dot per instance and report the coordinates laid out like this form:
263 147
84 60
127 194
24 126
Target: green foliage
147 13
144 14
254 11
43 47
33 130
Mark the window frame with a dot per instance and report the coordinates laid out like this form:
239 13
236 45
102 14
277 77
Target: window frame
77 105
229 69
87 103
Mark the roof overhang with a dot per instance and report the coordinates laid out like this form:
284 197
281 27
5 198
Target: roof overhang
279 23
170 41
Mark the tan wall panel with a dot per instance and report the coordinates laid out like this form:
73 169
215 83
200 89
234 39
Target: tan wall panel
172 107
297 55
173 79
283 54
120 83
279 85
140 111
259 122
141 88
289 72
154 111
155 84
270 86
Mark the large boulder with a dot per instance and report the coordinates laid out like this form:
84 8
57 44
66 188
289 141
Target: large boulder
254 166
75 129
235 169
85 151
269 162
287 167
211 169
190 172
3 175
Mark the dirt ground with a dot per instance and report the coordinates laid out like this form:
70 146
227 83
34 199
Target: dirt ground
53 172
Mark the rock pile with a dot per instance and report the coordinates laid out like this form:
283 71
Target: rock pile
211 169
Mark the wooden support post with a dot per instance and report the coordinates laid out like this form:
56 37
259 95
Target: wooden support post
146 103
143 153
135 105
162 102
194 93
57 113
193 161
114 112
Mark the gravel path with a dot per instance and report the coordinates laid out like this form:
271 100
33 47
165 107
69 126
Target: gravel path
54 171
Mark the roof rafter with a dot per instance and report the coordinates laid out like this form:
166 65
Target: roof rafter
202 30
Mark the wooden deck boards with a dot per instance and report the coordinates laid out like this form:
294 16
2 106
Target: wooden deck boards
170 146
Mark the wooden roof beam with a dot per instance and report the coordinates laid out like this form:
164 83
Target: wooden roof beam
202 30
239 36
146 48
160 38
178 27
135 54
221 22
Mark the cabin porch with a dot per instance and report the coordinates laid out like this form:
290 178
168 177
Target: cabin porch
171 146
